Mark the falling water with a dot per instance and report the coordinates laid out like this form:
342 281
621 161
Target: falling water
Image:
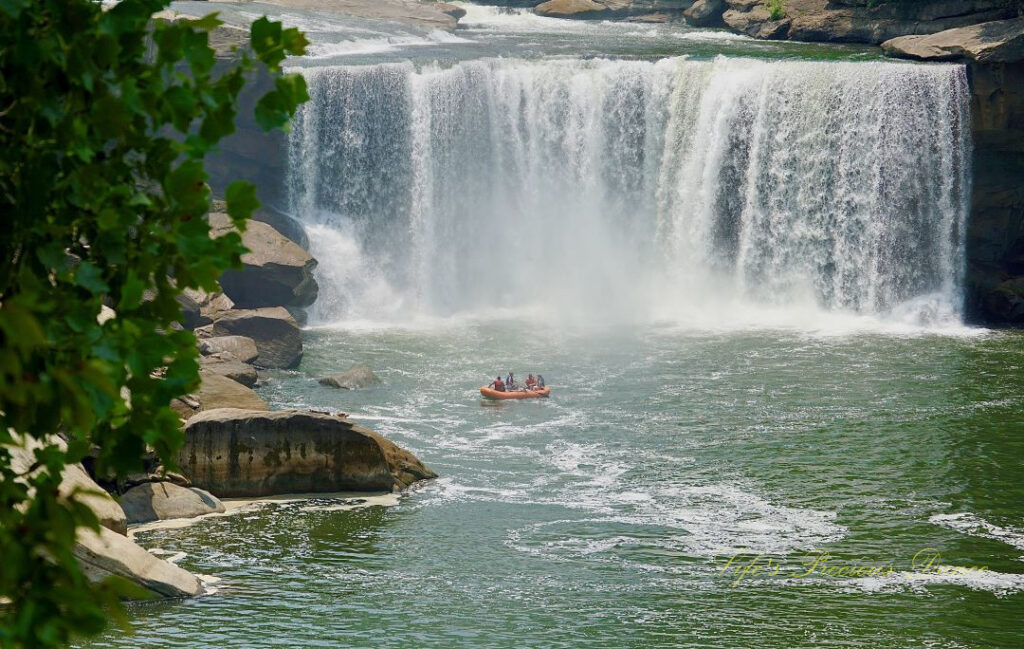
619 189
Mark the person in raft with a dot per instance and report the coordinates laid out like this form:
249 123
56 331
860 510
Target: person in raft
531 383
540 381
510 382
497 384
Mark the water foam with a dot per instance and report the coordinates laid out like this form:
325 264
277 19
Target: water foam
732 192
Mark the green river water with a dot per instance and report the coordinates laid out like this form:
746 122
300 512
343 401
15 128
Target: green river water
593 519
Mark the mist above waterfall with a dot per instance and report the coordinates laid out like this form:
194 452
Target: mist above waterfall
695 192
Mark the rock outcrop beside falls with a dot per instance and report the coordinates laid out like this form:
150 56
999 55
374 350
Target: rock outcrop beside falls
994 54
233 452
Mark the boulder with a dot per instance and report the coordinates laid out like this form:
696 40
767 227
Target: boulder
211 305
274 331
233 369
1001 41
277 271
108 554
284 223
574 8
241 348
354 378
74 479
218 391
157 501
191 313
706 13
234 452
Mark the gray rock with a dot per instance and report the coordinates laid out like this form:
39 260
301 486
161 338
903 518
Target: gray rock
1000 41
354 378
73 479
235 452
237 371
211 305
705 13
157 501
277 271
109 554
275 332
218 391
242 348
191 313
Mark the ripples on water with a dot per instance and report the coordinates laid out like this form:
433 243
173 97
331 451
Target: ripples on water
594 518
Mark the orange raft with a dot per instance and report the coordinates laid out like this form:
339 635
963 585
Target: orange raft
491 393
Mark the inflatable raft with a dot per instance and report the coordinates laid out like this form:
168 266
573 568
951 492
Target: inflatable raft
515 394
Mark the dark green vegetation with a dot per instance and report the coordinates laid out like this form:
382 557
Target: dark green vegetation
105 118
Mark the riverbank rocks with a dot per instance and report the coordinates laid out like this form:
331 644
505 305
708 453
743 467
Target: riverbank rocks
644 10
993 42
225 365
354 378
277 271
158 501
706 13
106 554
217 391
234 453
274 331
859 21
241 348
74 479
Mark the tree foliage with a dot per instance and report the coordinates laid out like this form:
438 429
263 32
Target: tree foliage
105 119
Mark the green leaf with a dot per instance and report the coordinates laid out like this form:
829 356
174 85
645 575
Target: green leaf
89 277
241 200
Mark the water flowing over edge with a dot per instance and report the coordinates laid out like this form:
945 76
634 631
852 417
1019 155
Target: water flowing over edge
706 194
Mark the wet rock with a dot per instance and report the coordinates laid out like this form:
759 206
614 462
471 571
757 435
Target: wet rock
993 42
277 271
191 314
354 378
275 332
109 554
706 13
235 452
1006 302
242 348
157 501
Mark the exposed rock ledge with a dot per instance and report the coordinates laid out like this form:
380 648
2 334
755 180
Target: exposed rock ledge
1000 41
234 453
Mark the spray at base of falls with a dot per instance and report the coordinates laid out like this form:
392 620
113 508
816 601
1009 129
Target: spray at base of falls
698 192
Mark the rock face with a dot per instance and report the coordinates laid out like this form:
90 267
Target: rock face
108 554
245 453
994 54
706 13
604 9
274 331
74 478
157 501
994 42
860 21
211 305
277 272
354 378
242 348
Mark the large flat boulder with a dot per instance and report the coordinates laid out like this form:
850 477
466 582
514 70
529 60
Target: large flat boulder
108 554
354 378
274 330
225 365
158 501
75 480
1000 41
242 348
218 391
233 452
277 271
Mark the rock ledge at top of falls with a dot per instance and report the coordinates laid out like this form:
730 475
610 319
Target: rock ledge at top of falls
246 453
656 10
849 21
431 15
1000 41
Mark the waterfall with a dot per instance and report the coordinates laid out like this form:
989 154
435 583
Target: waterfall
617 189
